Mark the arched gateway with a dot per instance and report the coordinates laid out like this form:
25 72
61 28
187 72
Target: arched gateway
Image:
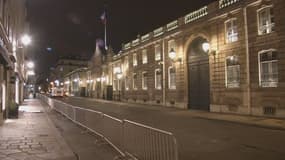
198 74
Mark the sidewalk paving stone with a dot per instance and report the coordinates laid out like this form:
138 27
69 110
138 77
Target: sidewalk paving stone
31 136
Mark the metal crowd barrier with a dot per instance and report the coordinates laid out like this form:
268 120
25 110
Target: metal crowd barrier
128 138
147 143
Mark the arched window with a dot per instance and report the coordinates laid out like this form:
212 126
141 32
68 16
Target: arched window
158 78
135 81
231 30
171 78
266 23
268 68
232 72
144 80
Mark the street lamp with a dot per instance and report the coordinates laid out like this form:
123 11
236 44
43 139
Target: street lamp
30 65
26 40
172 55
206 47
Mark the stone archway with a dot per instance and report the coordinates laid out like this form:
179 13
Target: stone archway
198 74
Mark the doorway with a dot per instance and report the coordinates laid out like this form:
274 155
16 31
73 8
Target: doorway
198 75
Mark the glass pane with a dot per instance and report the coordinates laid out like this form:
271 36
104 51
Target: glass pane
265 68
274 68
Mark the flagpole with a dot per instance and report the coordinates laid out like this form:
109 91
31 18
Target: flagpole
106 35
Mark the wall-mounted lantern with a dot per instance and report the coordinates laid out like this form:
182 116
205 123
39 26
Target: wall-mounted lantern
173 56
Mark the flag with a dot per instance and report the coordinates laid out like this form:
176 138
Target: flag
103 18
100 43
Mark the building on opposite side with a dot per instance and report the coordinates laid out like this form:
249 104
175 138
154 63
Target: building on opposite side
226 57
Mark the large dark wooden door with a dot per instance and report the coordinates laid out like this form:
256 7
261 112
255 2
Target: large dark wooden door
199 83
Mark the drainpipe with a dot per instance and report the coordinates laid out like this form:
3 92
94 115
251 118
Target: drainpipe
164 74
247 61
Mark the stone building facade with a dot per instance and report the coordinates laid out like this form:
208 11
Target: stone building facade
12 70
76 83
66 65
226 57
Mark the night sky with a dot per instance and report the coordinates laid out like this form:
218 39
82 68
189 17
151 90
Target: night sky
71 27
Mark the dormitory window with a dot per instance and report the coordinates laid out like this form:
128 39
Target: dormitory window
172 78
158 78
231 30
171 46
157 53
268 68
232 72
135 81
144 81
265 21
135 59
127 83
144 56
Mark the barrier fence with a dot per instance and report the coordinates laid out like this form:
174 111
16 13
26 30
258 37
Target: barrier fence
128 138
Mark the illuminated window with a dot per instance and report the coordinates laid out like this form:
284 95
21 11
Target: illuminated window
268 68
144 80
171 78
135 81
265 20
232 72
171 45
135 59
158 78
157 53
115 85
231 30
144 56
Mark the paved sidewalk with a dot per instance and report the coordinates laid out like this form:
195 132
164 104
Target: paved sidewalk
266 122
32 136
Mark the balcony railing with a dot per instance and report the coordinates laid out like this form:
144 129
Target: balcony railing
145 37
158 32
135 42
172 25
127 46
226 3
196 15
